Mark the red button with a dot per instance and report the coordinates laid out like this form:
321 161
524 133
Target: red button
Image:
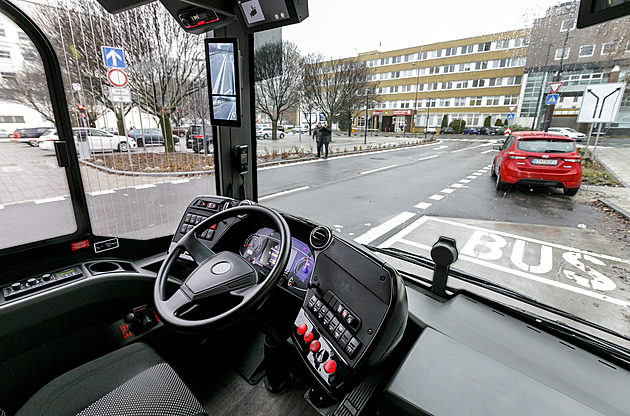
302 329
330 366
315 346
308 337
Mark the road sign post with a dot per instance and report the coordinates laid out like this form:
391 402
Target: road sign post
113 57
552 99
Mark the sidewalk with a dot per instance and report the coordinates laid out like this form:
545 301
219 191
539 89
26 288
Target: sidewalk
617 161
340 142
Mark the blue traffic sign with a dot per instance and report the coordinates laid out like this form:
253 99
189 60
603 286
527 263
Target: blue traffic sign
510 116
552 99
113 57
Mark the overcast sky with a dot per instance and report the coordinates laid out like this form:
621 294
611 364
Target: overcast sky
342 28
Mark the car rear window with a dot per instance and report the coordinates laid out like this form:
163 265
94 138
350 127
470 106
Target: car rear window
546 145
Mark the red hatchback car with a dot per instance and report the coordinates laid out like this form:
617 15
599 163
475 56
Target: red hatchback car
536 158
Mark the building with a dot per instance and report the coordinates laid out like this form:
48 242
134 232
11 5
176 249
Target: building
583 57
469 79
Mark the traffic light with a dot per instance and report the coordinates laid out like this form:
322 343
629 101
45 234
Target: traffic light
81 108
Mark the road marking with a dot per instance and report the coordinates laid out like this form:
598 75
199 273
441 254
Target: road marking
436 197
384 228
289 191
478 173
145 186
471 177
469 148
488 151
441 147
529 276
378 169
457 185
1 206
447 191
53 199
464 180
423 205
175 182
108 191
11 169
428 157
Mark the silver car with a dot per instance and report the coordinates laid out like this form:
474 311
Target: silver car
568 132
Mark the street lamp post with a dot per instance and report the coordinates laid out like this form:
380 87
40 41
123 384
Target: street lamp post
415 104
367 94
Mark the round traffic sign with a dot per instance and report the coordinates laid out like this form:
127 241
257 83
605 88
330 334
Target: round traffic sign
117 77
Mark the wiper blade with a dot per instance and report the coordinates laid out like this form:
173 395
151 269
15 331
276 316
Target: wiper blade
495 287
555 151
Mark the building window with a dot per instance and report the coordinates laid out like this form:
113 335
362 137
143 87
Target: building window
447 85
11 119
586 50
409 57
461 84
384 61
445 102
560 55
434 70
459 102
608 48
8 76
5 53
393 89
475 101
499 63
465 67
478 83
23 36
422 55
451 51
431 102
466 49
483 47
494 100
481 65
396 59
568 24
449 68
510 100
2 32
503 44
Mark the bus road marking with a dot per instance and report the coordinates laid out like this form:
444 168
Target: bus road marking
384 228
288 191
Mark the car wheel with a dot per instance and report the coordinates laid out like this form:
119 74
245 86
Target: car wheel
282 135
493 173
571 191
140 142
265 136
34 143
123 147
500 184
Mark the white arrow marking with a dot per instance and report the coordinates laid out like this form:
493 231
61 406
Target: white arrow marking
113 56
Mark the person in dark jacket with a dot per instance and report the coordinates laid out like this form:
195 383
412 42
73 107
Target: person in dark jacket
317 135
326 135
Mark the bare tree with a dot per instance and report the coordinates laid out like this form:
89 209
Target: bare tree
336 86
278 71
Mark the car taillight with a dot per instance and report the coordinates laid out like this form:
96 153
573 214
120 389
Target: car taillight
198 137
16 135
515 156
573 159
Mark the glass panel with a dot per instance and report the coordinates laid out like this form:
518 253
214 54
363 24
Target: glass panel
34 192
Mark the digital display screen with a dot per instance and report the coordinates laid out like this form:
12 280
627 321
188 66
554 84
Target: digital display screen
258 12
223 85
270 255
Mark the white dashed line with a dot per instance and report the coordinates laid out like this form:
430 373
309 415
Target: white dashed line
478 173
428 157
447 191
488 151
423 205
441 147
384 228
105 192
457 185
145 186
464 180
53 199
180 181
378 169
289 191
471 177
436 197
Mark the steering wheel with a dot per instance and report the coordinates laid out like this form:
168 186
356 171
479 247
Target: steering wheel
219 273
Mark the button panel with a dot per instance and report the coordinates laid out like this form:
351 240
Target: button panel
340 322
35 284
320 354
191 220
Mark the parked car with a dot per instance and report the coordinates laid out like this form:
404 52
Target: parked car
538 159
179 131
99 140
4 132
299 129
430 130
447 130
488 130
566 131
471 130
149 137
30 133
266 133
194 138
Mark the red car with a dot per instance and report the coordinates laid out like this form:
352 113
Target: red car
536 158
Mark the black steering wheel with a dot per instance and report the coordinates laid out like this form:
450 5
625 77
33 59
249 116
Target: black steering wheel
219 273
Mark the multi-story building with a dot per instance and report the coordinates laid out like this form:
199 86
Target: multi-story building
469 79
583 57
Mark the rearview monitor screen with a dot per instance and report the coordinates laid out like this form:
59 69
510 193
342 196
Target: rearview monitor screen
223 85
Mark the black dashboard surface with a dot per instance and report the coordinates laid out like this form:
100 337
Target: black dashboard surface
472 359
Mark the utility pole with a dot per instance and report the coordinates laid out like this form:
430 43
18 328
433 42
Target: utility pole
367 94
542 88
415 104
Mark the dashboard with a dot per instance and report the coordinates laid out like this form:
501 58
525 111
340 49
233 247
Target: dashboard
261 250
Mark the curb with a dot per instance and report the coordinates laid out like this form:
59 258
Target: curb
132 173
613 173
615 207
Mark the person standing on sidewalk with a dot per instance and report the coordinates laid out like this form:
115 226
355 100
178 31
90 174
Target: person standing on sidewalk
326 138
317 135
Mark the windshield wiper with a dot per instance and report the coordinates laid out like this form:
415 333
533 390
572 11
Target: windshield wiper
555 151
511 293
